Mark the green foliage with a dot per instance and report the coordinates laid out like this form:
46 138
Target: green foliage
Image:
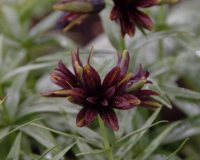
34 127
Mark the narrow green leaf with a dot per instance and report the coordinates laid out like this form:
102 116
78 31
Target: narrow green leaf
177 150
126 147
41 135
25 68
91 152
138 131
2 99
1 49
65 134
17 128
186 128
182 92
48 151
63 152
155 143
15 150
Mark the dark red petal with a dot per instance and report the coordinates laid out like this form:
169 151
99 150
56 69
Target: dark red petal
52 94
92 100
75 92
115 13
109 92
63 76
150 104
140 74
60 79
120 102
85 116
147 92
80 118
77 65
111 78
62 68
80 6
110 119
91 114
123 61
104 102
69 20
123 83
91 79
125 102
127 26
145 3
143 20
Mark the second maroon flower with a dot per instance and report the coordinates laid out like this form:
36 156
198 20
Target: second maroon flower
128 15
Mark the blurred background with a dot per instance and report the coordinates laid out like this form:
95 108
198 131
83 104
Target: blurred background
36 128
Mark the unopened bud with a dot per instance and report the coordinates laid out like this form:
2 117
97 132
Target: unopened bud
79 6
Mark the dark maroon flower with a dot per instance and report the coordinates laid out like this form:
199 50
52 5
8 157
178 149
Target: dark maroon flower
76 11
118 90
128 15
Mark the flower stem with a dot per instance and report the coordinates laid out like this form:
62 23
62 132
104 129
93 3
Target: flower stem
105 139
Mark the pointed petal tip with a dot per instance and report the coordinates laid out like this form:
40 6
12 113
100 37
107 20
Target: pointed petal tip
110 119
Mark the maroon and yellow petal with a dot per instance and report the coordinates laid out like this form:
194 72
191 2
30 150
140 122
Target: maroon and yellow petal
91 79
77 65
143 20
80 118
150 104
63 77
123 61
122 84
147 92
126 101
115 13
110 119
145 3
111 78
85 116
79 6
91 114
76 93
55 93
109 92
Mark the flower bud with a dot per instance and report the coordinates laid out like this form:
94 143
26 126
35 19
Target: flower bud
159 2
80 6
137 85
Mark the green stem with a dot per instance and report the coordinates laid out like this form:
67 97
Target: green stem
105 139
162 23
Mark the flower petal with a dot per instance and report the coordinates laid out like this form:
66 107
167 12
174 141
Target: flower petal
109 92
125 102
110 119
77 65
123 61
91 114
79 6
111 78
147 92
123 83
80 118
145 3
78 95
91 79
142 20
68 20
85 116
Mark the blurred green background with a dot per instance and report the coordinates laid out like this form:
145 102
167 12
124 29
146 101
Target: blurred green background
37 128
